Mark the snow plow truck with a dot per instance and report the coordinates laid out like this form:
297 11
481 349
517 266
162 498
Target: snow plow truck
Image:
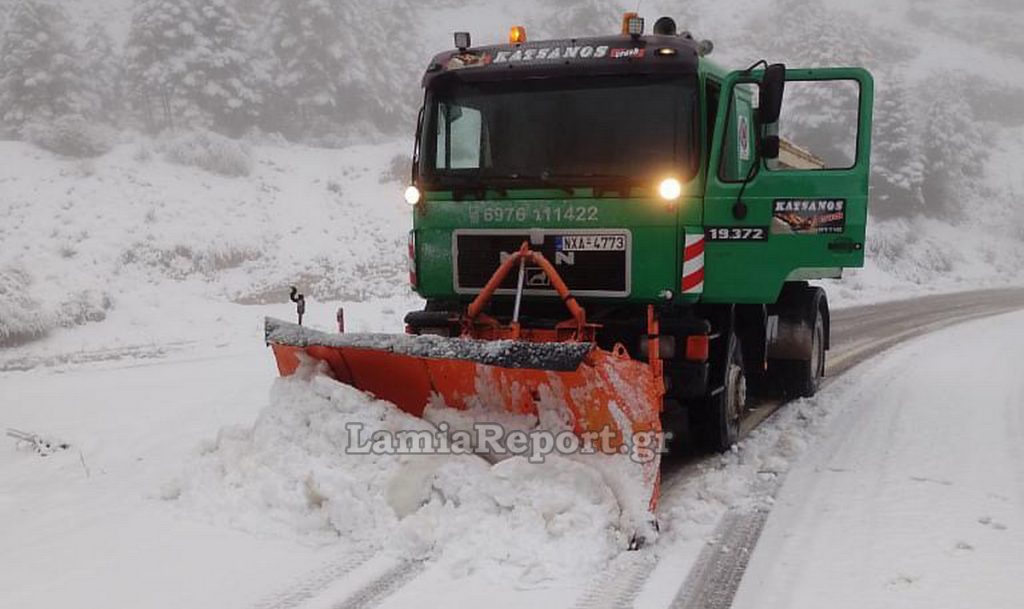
614 234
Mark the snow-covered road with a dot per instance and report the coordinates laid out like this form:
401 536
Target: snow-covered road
915 495
148 510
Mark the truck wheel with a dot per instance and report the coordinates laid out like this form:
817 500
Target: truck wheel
802 378
726 408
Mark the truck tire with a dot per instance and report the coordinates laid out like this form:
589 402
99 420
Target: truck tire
720 428
802 378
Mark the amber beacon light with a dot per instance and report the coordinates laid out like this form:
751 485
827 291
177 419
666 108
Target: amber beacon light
517 35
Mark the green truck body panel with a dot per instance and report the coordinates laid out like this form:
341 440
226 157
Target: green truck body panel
754 272
655 229
736 271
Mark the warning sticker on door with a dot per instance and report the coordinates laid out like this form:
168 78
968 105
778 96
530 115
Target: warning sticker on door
808 216
743 138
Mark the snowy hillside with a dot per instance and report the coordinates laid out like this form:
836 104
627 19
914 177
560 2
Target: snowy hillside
131 231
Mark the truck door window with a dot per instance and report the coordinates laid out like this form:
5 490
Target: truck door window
739 150
459 137
819 125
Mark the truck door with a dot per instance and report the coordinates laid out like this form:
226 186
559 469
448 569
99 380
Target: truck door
798 216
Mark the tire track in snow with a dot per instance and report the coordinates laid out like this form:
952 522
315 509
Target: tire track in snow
383 586
316 581
619 585
715 577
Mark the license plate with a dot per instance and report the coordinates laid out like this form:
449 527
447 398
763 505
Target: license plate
591 243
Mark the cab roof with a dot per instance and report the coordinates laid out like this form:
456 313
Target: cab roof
622 54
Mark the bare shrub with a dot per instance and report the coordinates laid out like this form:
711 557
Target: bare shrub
71 136
21 316
210 152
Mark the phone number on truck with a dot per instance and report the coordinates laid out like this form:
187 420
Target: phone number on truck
569 213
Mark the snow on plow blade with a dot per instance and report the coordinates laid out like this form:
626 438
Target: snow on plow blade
599 392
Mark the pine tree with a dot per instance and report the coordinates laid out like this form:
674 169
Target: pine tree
162 41
102 64
310 58
40 76
337 62
897 155
955 157
394 51
221 81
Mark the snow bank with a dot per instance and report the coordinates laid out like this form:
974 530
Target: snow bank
290 475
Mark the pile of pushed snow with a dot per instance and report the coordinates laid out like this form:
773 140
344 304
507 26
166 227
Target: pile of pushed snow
291 474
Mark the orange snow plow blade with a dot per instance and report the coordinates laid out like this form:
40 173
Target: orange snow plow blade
610 401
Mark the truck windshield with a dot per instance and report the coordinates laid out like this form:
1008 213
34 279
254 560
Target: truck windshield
568 131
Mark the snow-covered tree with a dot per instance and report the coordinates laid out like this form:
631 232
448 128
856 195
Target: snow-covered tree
102 64
395 56
40 76
220 79
337 62
314 56
162 41
954 159
897 153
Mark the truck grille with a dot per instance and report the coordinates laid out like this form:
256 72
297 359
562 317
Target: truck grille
592 262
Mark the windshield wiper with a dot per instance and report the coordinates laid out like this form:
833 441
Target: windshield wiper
608 182
544 179
475 185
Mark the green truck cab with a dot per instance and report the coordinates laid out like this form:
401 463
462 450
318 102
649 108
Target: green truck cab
650 177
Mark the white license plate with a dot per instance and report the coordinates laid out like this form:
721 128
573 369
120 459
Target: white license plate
592 243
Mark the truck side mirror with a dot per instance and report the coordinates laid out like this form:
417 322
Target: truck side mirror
773 85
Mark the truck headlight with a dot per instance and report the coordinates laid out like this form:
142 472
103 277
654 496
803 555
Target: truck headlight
412 195
670 189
